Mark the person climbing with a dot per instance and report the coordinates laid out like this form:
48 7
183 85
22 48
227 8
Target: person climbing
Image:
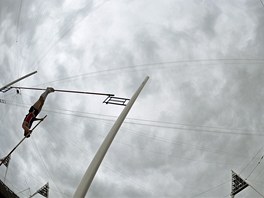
34 111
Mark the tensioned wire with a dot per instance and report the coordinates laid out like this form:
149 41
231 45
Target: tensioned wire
115 171
206 191
106 118
135 123
17 39
152 123
134 119
161 65
144 135
139 119
66 30
156 124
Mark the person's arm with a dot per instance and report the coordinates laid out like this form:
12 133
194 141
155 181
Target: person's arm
25 126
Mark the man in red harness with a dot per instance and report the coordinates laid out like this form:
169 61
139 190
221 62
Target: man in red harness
34 111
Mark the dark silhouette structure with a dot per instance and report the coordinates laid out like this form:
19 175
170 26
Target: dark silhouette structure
5 192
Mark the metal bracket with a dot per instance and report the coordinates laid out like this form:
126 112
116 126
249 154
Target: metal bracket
116 100
5 89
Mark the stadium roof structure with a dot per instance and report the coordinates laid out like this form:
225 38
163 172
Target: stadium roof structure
6 192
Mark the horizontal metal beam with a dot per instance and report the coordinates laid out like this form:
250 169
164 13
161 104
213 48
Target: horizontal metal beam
15 81
66 91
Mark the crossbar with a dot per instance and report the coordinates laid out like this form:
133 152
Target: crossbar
66 91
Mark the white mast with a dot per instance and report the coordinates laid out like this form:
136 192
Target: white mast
94 165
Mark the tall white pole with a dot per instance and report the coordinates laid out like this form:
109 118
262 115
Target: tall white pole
94 165
8 85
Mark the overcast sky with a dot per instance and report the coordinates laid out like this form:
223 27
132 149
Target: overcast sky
199 116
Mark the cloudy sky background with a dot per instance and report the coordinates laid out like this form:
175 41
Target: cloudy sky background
199 116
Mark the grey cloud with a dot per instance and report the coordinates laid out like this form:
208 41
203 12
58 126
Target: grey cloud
143 161
146 46
209 21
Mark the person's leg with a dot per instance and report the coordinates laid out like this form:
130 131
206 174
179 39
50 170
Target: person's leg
38 105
